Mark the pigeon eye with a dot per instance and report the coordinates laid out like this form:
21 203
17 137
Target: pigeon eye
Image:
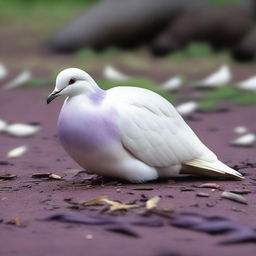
71 81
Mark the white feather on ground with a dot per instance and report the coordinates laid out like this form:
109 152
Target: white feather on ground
20 80
248 84
219 78
172 84
113 74
246 140
22 130
3 125
240 129
17 152
3 72
187 108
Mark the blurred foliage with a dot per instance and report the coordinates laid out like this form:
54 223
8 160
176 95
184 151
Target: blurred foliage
39 14
225 2
90 53
32 3
138 82
212 98
195 50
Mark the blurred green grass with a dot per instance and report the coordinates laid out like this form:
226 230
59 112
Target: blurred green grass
138 82
229 93
38 14
197 50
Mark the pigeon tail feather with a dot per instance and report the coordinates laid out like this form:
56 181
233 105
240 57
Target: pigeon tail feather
216 169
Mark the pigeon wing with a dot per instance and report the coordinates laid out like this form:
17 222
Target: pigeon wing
153 131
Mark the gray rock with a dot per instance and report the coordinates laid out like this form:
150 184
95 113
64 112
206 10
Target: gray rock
121 23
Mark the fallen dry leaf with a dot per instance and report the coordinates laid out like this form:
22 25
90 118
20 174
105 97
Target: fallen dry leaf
152 202
234 197
202 194
114 206
48 175
209 185
241 191
7 176
16 222
54 176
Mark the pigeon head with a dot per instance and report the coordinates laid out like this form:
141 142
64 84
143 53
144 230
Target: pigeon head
71 82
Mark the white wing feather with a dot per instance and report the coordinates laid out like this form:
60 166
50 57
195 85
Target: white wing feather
153 131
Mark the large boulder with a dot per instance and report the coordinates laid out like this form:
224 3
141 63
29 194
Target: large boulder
123 23
222 27
246 49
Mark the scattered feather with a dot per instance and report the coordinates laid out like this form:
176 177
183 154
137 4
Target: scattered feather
234 197
152 202
244 234
88 236
3 125
20 80
246 140
113 74
216 225
89 220
3 72
17 152
187 108
248 84
240 129
172 84
22 130
232 232
219 78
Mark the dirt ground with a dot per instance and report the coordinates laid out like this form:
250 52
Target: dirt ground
31 199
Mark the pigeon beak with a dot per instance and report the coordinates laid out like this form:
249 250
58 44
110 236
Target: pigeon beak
52 96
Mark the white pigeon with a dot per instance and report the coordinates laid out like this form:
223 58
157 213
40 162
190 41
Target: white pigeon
172 84
219 78
248 84
113 74
128 132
